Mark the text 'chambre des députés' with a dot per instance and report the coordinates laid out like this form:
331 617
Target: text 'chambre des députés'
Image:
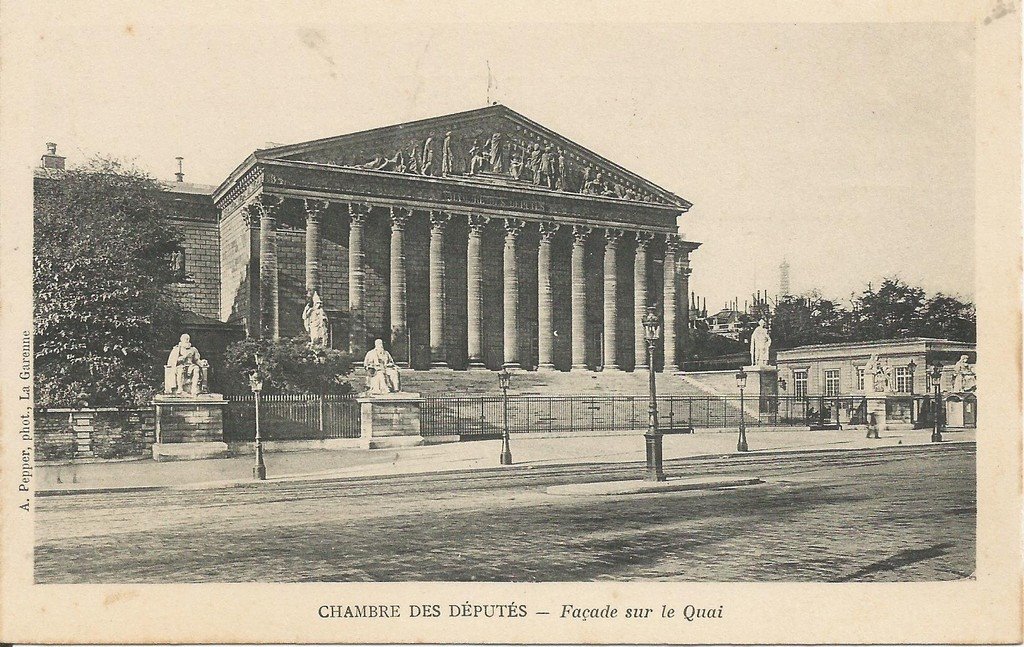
688 612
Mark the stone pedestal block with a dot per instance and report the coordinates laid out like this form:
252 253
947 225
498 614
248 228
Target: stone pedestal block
391 420
763 383
189 427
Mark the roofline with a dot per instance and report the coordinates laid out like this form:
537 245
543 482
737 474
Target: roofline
278 151
911 341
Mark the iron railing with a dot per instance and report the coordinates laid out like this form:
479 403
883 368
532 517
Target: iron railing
292 417
313 417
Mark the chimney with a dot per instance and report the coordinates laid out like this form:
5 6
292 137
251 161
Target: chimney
180 175
52 159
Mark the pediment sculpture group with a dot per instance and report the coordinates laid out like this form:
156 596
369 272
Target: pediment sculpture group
544 165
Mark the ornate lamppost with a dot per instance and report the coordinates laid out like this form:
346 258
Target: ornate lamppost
915 413
937 422
652 438
504 380
741 382
259 470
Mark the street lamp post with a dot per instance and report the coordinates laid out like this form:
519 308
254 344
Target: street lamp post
937 422
741 382
259 470
915 413
504 379
652 438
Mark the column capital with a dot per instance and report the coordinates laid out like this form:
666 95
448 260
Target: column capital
438 220
548 231
399 218
580 233
672 243
358 213
314 207
612 237
685 271
643 239
477 224
251 214
513 227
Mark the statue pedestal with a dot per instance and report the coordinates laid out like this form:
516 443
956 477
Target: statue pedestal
391 420
189 427
763 382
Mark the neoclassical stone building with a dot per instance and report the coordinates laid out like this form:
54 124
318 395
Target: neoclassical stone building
477 239
474 239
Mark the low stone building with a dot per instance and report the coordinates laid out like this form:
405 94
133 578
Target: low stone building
838 369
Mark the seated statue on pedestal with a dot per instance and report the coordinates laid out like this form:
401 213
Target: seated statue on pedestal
185 371
964 378
382 375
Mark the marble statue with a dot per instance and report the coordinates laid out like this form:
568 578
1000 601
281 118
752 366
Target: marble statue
964 378
877 377
515 167
547 167
561 171
760 344
314 320
413 165
534 163
447 161
183 372
382 375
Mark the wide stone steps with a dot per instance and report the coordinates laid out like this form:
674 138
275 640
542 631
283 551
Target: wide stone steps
446 382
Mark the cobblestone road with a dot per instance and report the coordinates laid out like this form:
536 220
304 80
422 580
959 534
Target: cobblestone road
894 514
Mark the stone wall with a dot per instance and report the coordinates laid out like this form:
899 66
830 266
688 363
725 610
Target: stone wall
65 434
200 293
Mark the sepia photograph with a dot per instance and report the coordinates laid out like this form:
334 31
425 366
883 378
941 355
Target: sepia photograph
345 297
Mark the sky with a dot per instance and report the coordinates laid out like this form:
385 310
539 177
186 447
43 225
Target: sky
847 149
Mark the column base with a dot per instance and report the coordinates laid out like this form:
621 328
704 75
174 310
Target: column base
439 365
547 367
579 367
511 365
612 369
640 367
476 364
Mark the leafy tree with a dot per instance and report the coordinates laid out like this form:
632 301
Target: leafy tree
103 320
946 317
808 319
893 311
288 365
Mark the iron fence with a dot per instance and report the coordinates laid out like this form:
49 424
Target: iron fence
312 417
292 417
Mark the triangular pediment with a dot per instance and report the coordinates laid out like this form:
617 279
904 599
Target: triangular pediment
493 144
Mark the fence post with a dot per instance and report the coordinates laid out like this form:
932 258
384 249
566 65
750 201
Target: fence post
320 414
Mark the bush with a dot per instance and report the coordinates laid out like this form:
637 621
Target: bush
289 365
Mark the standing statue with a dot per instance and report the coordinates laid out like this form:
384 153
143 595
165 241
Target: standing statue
497 154
561 170
547 167
427 163
877 377
515 167
184 369
534 163
314 320
447 161
382 375
760 344
964 378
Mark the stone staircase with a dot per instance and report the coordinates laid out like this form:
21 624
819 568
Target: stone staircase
446 382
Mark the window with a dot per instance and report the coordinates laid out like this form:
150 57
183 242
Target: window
860 378
800 383
832 382
903 379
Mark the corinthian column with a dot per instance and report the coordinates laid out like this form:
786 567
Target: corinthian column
579 298
438 221
269 303
399 325
314 209
513 227
356 277
474 291
611 307
545 321
643 239
684 288
671 247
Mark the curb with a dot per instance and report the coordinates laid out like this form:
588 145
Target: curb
481 471
617 488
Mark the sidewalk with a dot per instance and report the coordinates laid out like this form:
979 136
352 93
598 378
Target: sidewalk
478 455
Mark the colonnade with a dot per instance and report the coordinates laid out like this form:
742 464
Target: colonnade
675 266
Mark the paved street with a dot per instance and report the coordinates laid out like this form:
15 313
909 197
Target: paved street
900 513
